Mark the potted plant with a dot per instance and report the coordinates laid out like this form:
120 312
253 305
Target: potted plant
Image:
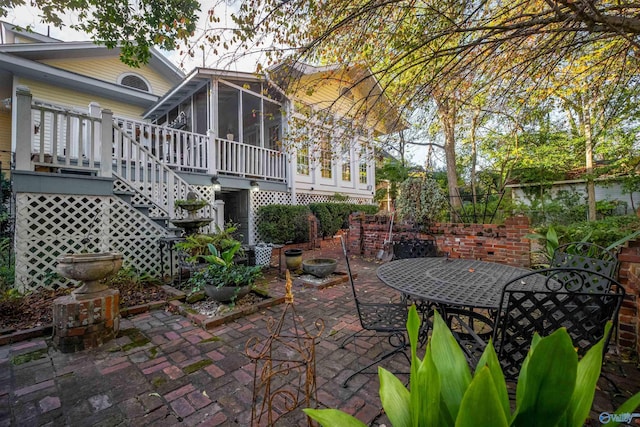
222 279
196 246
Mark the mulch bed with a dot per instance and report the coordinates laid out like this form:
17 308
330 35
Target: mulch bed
35 309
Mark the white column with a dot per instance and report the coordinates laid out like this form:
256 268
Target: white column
219 205
22 137
106 144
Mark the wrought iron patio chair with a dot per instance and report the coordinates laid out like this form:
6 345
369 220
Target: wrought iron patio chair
541 301
588 256
388 319
415 248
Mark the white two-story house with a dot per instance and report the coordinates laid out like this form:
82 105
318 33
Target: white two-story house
100 152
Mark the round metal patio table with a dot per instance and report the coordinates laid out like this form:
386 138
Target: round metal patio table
450 282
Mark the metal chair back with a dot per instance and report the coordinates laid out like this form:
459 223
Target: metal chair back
415 248
588 256
376 316
545 300
389 319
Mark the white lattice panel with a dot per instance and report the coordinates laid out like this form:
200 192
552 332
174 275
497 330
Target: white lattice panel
49 225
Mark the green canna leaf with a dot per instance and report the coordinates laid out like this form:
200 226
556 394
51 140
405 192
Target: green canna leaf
481 405
425 405
451 365
489 358
333 418
550 380
395 398
522 378
587 377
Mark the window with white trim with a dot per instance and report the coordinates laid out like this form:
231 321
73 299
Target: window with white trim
326 158
346 161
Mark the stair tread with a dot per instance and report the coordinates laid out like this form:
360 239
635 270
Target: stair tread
123 193
141 205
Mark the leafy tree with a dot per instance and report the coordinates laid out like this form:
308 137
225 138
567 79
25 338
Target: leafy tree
133 26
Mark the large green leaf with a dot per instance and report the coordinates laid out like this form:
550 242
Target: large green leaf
416 381
333 418
522 378
481 405
489 358
587 377
451 365
425 397
550 380
395 398
413 329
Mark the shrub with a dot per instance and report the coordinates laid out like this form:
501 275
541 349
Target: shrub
283 223
603 232
335 216
421 201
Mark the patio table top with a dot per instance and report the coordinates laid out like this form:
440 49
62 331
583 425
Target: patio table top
458 282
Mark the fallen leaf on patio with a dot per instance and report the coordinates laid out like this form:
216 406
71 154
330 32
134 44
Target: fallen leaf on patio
154 394
204 393
471 270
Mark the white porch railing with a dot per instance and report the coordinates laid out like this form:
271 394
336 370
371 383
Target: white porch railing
63 139
235 158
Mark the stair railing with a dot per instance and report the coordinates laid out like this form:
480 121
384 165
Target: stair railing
147 174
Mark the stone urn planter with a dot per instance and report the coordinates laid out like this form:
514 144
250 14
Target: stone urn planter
319 267
293 258
90 316
90 269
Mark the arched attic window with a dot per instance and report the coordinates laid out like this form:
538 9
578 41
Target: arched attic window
346 93
135 81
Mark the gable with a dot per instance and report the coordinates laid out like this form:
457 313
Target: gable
348 91
110 69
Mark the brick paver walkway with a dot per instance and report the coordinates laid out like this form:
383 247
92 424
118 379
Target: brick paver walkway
165 371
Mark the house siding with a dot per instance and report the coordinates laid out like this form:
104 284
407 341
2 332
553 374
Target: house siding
5 138
109 69
321 93
610 190
75 100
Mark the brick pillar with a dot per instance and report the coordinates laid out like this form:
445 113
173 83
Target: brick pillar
629 277
354 242
85 323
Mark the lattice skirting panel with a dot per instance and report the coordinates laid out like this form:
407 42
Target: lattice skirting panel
49 225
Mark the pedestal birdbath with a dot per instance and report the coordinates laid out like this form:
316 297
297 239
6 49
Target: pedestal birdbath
192 223
90 269
90 316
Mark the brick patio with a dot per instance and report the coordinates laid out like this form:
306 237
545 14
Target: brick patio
163 370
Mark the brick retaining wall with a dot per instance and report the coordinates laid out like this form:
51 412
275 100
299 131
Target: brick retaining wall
505 244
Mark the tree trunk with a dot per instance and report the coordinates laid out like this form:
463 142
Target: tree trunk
447 114
591 187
